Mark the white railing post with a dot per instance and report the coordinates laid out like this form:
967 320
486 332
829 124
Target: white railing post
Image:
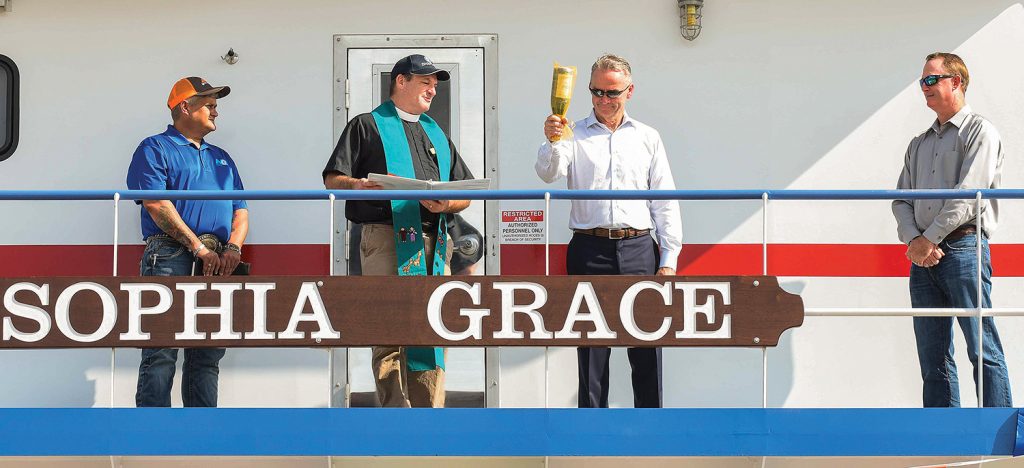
547 272
113 351
330 237
981 319
764 233
330 351
330 272
764 271
547 234
117 198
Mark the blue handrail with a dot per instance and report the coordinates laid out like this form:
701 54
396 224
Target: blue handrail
510 194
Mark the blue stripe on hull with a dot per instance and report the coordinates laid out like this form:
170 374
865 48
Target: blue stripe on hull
508 432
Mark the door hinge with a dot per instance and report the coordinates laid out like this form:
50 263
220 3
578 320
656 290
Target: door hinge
348 92
348 240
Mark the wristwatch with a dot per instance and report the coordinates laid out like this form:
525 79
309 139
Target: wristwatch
233 247
199 249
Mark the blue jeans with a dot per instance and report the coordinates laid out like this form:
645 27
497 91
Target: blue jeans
165 257
954 283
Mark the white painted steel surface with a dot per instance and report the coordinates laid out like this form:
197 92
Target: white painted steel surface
782 94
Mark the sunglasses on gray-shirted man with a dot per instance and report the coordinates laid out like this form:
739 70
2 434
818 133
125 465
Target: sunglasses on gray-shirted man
930 80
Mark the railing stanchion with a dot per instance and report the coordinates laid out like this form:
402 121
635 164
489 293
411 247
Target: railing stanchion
113 351
764 271
330 237
117 199
764 233
547 233
330 351
981 319
547 272
330 272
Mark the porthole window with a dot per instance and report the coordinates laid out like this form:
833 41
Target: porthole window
8 107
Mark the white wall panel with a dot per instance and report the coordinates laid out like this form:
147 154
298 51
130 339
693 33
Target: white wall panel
781 94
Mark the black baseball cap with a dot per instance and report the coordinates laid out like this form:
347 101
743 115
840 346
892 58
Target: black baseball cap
418 65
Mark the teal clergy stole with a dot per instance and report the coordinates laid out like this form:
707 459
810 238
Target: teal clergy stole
406 213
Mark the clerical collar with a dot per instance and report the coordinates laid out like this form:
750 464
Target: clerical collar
407 116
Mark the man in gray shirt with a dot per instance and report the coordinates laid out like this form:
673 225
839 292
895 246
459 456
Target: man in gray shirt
960 150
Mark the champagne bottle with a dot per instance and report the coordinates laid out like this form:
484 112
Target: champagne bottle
559 106
562 82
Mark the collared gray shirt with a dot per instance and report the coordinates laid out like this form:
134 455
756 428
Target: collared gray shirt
964 153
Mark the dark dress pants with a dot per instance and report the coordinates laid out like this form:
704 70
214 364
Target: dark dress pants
591 255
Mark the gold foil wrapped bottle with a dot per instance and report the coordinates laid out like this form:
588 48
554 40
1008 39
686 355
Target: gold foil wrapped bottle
563 80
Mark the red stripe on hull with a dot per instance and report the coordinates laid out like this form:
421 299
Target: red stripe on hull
97 260
843 260
852 260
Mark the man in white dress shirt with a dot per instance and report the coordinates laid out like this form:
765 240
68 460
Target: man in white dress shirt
611 151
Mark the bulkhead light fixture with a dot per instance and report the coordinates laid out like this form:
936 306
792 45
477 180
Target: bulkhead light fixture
689 18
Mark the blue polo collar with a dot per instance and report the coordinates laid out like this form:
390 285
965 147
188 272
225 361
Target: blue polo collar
180 139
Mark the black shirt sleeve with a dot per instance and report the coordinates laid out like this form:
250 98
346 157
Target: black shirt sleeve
347 151
358 153
459 169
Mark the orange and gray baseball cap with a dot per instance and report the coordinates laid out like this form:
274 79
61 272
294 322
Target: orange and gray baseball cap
194 86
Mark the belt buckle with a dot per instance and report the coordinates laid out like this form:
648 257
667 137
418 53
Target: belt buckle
611 237
211 242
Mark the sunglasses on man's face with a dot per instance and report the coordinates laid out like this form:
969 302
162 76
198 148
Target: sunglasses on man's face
930 80
610 93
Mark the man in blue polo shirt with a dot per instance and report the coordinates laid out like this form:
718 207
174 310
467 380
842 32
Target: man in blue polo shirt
178 233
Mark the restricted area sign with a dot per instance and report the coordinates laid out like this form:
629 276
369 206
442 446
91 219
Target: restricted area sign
522 226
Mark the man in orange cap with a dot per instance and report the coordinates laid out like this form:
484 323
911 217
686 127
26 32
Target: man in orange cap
180 233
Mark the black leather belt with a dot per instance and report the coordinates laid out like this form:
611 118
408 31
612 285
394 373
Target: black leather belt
624 233
961 231
209 240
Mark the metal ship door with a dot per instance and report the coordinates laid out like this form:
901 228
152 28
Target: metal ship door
465 111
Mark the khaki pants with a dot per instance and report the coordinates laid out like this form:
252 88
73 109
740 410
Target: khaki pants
396 385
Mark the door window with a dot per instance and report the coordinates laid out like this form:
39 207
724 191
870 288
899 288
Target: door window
8 107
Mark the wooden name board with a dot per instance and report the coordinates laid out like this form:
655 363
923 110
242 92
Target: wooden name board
344 311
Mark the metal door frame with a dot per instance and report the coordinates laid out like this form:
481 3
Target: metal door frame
341 89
